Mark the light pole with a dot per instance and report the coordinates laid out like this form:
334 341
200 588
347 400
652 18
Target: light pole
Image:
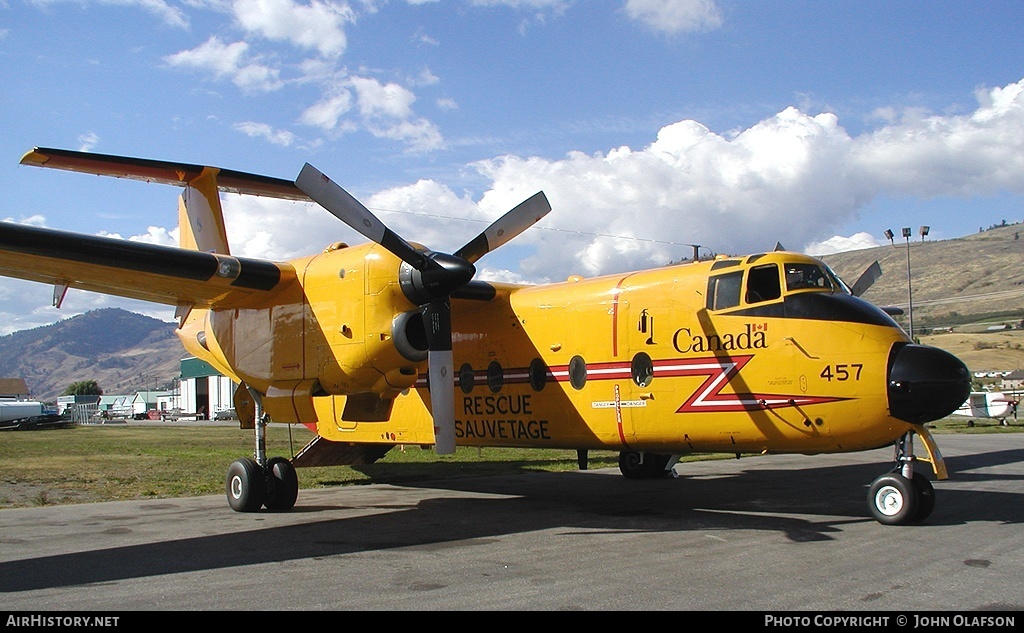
910 294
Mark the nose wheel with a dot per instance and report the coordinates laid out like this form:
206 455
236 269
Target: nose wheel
902 497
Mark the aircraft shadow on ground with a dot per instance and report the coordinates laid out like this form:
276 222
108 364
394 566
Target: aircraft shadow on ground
573 502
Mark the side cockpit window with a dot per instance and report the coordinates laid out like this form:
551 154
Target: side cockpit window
724 290
763 284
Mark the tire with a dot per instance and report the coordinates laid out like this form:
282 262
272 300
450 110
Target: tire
632 465
925 498
245 485
282 485
893 499
637 465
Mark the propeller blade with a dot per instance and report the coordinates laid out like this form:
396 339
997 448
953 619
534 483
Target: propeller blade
867 279
505 228
434 278
438 322
346 208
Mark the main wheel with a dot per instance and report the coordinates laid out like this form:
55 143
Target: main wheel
637 465
246 485
893 499
925 497
282 485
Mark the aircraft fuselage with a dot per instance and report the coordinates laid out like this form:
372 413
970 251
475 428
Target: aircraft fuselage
639 361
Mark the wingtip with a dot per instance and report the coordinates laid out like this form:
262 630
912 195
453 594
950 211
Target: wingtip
34 157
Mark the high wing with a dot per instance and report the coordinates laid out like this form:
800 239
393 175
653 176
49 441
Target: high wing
150 272
201 274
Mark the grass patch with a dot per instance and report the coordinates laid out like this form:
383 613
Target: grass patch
963 424
122 462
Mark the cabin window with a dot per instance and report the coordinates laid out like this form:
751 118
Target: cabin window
642 369
763 284
466 378
495 376
538 374
724 290
804 276
577 372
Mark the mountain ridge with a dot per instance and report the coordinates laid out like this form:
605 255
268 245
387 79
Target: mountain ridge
122 351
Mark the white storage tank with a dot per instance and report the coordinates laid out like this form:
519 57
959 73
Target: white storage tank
17 410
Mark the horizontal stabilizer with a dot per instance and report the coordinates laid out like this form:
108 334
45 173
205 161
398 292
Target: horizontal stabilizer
164 172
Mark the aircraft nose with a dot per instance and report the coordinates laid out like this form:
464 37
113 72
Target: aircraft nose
926 383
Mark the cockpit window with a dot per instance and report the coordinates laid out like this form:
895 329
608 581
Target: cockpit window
760 284
803 276
763 284
724 290
837 281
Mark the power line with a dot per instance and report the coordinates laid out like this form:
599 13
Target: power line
541 228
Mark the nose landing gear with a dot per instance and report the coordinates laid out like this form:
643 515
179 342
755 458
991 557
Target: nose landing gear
902 496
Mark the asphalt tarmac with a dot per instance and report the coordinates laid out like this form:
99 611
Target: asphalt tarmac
773 533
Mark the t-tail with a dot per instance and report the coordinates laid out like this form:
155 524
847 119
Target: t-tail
200 216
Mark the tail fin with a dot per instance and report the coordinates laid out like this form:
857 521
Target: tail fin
200 218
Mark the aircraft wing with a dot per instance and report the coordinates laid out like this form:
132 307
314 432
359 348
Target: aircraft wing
150 272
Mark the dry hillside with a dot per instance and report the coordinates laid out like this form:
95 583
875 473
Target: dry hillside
952 282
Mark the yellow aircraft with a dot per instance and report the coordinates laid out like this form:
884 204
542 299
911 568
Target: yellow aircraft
390 343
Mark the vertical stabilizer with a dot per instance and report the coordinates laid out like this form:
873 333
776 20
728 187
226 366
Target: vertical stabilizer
200 218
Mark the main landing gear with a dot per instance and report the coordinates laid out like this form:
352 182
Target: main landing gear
255 483
640 465
902 496
251 486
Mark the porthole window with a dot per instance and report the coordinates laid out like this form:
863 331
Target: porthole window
642 369
538 374
577 372
466 378
495 376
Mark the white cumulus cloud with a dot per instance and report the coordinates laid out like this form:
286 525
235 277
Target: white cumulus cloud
675 16
231 61
319 25
793 177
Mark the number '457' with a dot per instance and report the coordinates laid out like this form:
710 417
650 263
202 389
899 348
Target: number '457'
842 372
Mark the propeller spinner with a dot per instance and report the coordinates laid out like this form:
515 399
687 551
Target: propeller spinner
430 282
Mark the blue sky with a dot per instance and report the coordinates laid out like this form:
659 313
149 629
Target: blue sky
651 125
